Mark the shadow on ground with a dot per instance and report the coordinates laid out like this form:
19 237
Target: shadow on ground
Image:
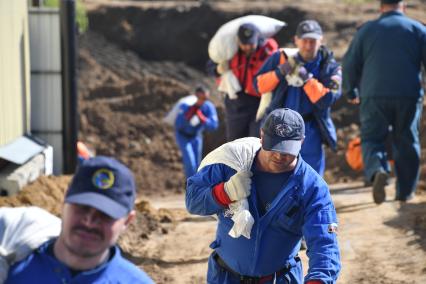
411 219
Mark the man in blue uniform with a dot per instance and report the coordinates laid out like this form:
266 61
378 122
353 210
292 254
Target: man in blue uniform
287 199
312 95
381 72
98 207
190 123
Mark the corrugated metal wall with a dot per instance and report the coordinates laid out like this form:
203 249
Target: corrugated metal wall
46 88
14 70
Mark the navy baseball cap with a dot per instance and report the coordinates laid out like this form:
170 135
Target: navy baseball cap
248 34
309 29
105 184
283 131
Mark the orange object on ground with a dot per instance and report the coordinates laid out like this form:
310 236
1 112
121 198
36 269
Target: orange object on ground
353 154
83 151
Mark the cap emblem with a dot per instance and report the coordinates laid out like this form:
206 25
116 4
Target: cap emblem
307 27
103 179
248 33
283 130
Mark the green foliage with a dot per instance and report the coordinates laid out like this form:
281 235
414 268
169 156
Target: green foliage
80 13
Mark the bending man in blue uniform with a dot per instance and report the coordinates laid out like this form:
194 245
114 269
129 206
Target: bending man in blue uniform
312 95
381 72
190 123
98 207
287 199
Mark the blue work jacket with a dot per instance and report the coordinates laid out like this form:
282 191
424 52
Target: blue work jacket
384 58
302 208
42 267
185 129
328 73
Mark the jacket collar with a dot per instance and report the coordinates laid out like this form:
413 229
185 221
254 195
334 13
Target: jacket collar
392 13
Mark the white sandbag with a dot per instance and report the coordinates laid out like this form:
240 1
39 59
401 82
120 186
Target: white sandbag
23 229
239 155
292 80
172 114
229 84
265 101
224 44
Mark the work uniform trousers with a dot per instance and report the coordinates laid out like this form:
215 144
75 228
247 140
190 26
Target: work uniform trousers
403 115
312 149
240 116
191 149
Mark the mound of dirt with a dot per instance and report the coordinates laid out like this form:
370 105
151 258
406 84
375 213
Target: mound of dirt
46 192
122 102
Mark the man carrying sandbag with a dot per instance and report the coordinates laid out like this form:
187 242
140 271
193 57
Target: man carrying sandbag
191 121
286 199
241 108
98 207
308 83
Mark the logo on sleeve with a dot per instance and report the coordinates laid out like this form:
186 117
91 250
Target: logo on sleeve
332 228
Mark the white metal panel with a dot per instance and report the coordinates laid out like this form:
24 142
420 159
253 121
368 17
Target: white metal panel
55 140
46 102
46 88
20 150
14 70
45 39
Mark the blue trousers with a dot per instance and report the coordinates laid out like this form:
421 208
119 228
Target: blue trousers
403 115
312 149
191 149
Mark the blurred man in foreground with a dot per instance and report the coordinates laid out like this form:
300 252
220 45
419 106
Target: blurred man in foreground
97 209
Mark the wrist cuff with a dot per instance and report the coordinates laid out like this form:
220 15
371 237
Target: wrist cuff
220 195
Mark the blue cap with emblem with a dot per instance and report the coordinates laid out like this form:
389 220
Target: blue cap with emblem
105 184
283 131
248 34
309 29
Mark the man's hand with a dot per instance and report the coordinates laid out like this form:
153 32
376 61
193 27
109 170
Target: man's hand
355 101
303 73
286 68
222 67
194 121
238 186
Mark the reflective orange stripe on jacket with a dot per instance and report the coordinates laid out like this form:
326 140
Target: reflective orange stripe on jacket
315 90
268 81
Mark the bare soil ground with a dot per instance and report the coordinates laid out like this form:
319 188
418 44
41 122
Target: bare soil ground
139 57
379 244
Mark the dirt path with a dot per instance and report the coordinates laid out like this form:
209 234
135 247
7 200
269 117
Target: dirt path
379 244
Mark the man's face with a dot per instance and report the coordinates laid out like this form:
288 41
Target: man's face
87 232
202 97
275 162
247 49
308 47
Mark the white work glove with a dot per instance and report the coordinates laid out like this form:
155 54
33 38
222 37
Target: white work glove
194 121
238 186
222 67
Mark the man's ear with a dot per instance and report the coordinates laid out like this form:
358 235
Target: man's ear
261 136
130 218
